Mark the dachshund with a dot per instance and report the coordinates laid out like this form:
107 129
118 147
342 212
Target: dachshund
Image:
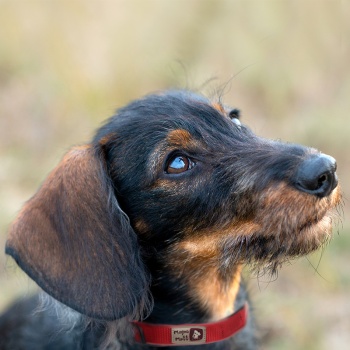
138 238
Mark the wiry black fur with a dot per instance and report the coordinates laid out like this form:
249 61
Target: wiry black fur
230 162
233 174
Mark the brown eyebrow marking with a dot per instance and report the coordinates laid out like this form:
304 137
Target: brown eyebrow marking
219 107
179 137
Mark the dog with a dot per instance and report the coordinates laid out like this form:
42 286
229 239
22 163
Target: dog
138 238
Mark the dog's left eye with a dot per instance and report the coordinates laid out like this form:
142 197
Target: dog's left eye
179 164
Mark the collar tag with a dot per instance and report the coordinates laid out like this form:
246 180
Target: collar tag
188 335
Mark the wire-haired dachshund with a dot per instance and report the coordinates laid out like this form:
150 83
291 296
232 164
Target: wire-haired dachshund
139 237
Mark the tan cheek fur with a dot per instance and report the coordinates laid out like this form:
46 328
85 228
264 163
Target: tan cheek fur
284 209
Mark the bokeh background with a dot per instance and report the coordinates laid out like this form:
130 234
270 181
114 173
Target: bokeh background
65 66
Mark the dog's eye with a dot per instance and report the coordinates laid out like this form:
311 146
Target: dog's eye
179 164
235 115
236 121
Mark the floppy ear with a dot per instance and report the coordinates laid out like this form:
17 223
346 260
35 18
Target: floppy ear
72 238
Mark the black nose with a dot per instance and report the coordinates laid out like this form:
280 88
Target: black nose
316 175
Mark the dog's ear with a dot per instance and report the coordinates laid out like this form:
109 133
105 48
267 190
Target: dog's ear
72 238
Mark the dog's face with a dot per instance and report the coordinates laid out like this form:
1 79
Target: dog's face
186 172
201 194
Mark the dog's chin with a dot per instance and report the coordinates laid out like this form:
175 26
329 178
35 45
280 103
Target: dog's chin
314 235
273 252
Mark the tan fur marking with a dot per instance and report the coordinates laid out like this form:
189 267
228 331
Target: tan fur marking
141 226
206 241
198 258
195 261
179 137
219 107
218 298
290 207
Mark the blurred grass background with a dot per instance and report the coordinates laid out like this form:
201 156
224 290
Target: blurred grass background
65 66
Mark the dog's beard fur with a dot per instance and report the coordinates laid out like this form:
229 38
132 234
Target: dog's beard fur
266 254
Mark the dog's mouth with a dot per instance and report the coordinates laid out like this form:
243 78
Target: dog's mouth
317 232
317 226
281 229
297 225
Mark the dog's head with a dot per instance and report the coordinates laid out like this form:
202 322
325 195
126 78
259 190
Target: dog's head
171 183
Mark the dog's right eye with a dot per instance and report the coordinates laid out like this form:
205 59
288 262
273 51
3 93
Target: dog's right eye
179 164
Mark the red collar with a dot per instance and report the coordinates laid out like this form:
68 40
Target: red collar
190 334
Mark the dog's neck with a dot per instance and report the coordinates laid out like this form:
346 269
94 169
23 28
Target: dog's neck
217 296
205 298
